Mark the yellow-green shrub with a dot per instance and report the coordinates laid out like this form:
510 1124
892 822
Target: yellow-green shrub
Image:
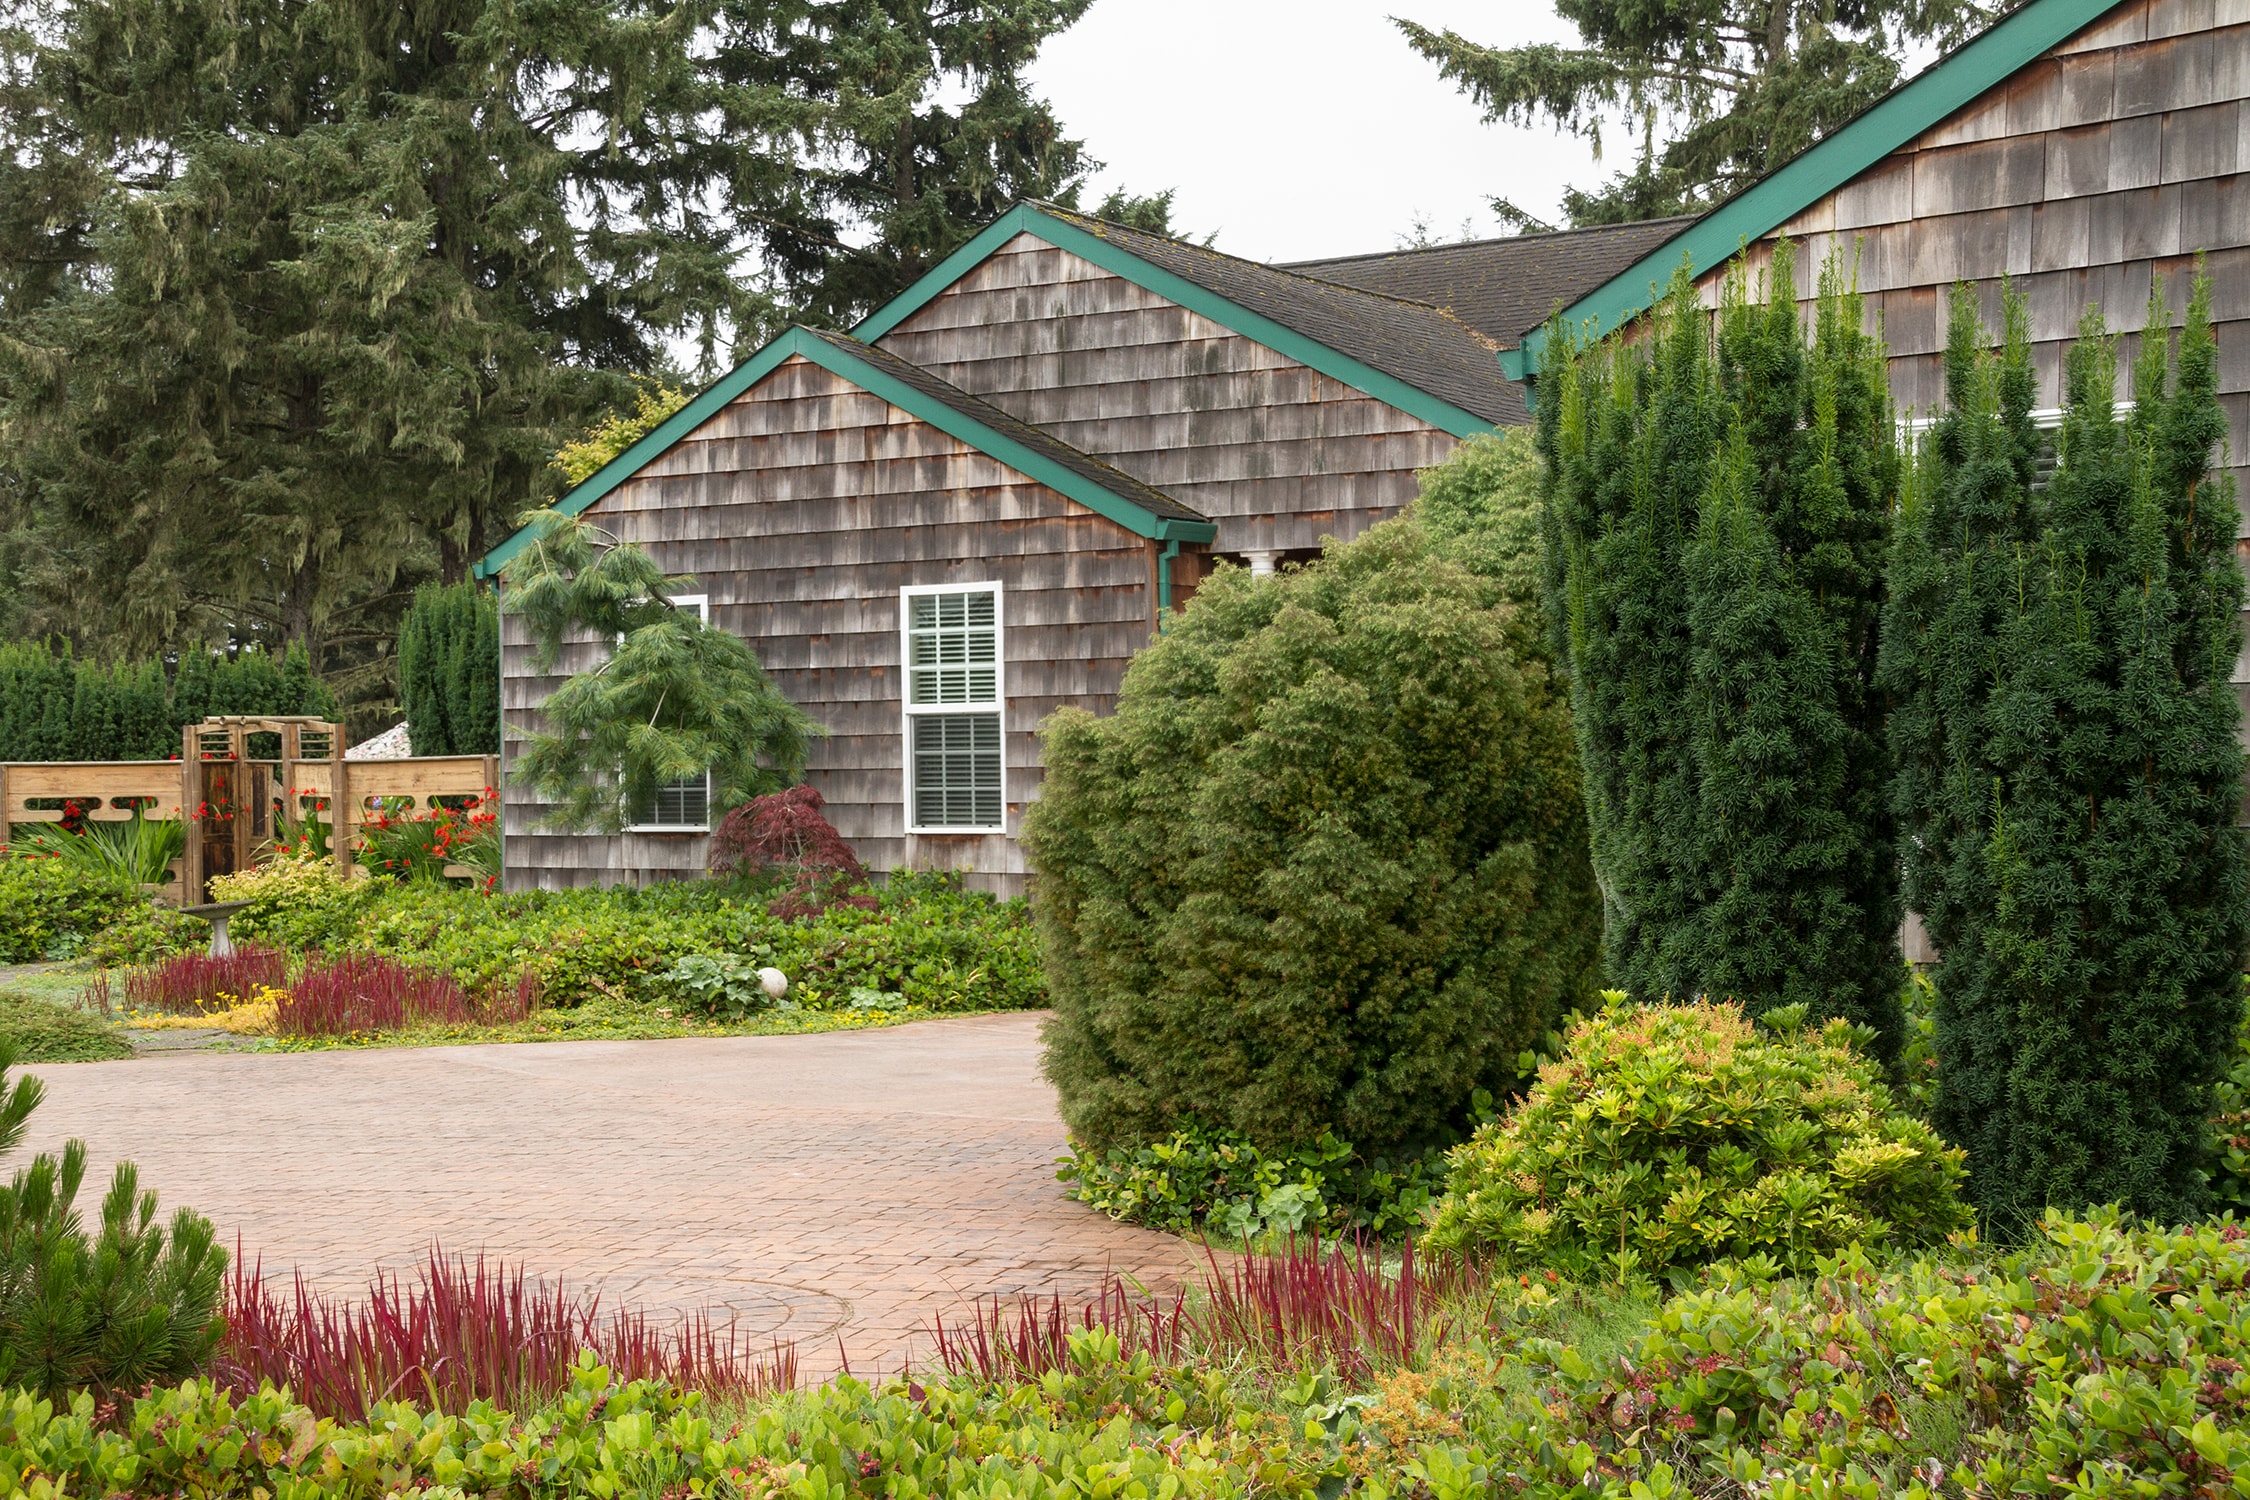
1672 1135
295 903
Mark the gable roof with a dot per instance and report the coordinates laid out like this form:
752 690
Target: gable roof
1500 287
1139 508
1921 103
1407 354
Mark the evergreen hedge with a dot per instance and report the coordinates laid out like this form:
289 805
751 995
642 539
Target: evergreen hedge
2061 649
55 707
1715 535
449 670
1324 868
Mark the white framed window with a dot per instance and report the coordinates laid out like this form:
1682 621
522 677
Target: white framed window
2046 423
955 702
682 806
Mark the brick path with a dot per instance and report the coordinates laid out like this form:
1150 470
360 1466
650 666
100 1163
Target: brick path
848 1184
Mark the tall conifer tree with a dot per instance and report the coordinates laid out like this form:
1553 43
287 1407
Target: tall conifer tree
2061 648
1717 520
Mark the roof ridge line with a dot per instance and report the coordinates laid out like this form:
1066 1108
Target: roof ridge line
1496 239
1242 260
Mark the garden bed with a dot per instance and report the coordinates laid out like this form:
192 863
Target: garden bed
417 963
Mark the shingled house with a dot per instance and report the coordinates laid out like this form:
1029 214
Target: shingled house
976 506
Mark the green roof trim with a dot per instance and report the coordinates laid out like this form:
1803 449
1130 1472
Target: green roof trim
1028 218
876 382
1970 70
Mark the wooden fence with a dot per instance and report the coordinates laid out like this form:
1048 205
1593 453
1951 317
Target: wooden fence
233 797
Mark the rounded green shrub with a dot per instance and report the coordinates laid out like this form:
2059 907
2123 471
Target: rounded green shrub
1325 867
1666 1136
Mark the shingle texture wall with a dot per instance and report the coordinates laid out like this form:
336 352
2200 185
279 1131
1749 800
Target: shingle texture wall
1276 453
802 508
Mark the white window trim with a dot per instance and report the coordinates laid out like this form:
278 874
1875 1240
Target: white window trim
701 604
908 712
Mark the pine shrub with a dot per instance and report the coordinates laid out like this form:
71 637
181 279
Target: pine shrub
1716 524
2061 649
116 1310
1324 868
1669 1136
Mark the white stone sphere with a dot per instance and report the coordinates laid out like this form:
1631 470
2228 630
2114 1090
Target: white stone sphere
774 982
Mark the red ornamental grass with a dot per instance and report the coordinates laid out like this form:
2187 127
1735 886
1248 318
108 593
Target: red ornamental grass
191 983
369 993
454 1332
998 1341
1338 1308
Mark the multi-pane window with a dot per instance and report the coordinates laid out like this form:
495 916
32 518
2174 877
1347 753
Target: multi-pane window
955 769
682 806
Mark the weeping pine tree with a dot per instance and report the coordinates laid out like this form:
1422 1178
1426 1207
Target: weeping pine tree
673 699
2060 649
1718 496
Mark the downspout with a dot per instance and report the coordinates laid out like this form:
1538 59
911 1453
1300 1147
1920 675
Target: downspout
1164 581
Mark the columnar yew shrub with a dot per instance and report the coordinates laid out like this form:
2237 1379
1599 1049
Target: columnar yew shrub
1716 524
1323 868
2061 649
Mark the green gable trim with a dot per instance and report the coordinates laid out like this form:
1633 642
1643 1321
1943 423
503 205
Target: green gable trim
1026 218
1923 102
875 382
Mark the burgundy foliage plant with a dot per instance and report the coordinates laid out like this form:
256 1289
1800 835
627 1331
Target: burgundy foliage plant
191 983
372 993
455 1331
1338 1306
785 833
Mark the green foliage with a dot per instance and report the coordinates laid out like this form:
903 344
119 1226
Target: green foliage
2061 651
717 984
300 904
1199 1179
1718 506
1669 1136
1107 1422
48 909
581 459
449 670
54 706
927 940
1714 95
41 1032
394 258
134 851
129 1305
2230 1130
1324 868
1481 510
677 698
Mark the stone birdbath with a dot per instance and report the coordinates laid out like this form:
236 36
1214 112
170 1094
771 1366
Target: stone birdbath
216 913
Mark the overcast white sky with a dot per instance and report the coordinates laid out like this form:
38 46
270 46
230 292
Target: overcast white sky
1302 128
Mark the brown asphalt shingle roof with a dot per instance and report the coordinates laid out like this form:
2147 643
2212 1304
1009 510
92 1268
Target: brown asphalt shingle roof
1420 344
1502 288
1119 483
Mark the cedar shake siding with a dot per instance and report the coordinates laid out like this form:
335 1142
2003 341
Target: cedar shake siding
801 508
1274 452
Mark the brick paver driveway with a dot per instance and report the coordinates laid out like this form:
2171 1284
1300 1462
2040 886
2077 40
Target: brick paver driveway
842 1186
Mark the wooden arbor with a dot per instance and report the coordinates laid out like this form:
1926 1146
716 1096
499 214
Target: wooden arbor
230 795
239 774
